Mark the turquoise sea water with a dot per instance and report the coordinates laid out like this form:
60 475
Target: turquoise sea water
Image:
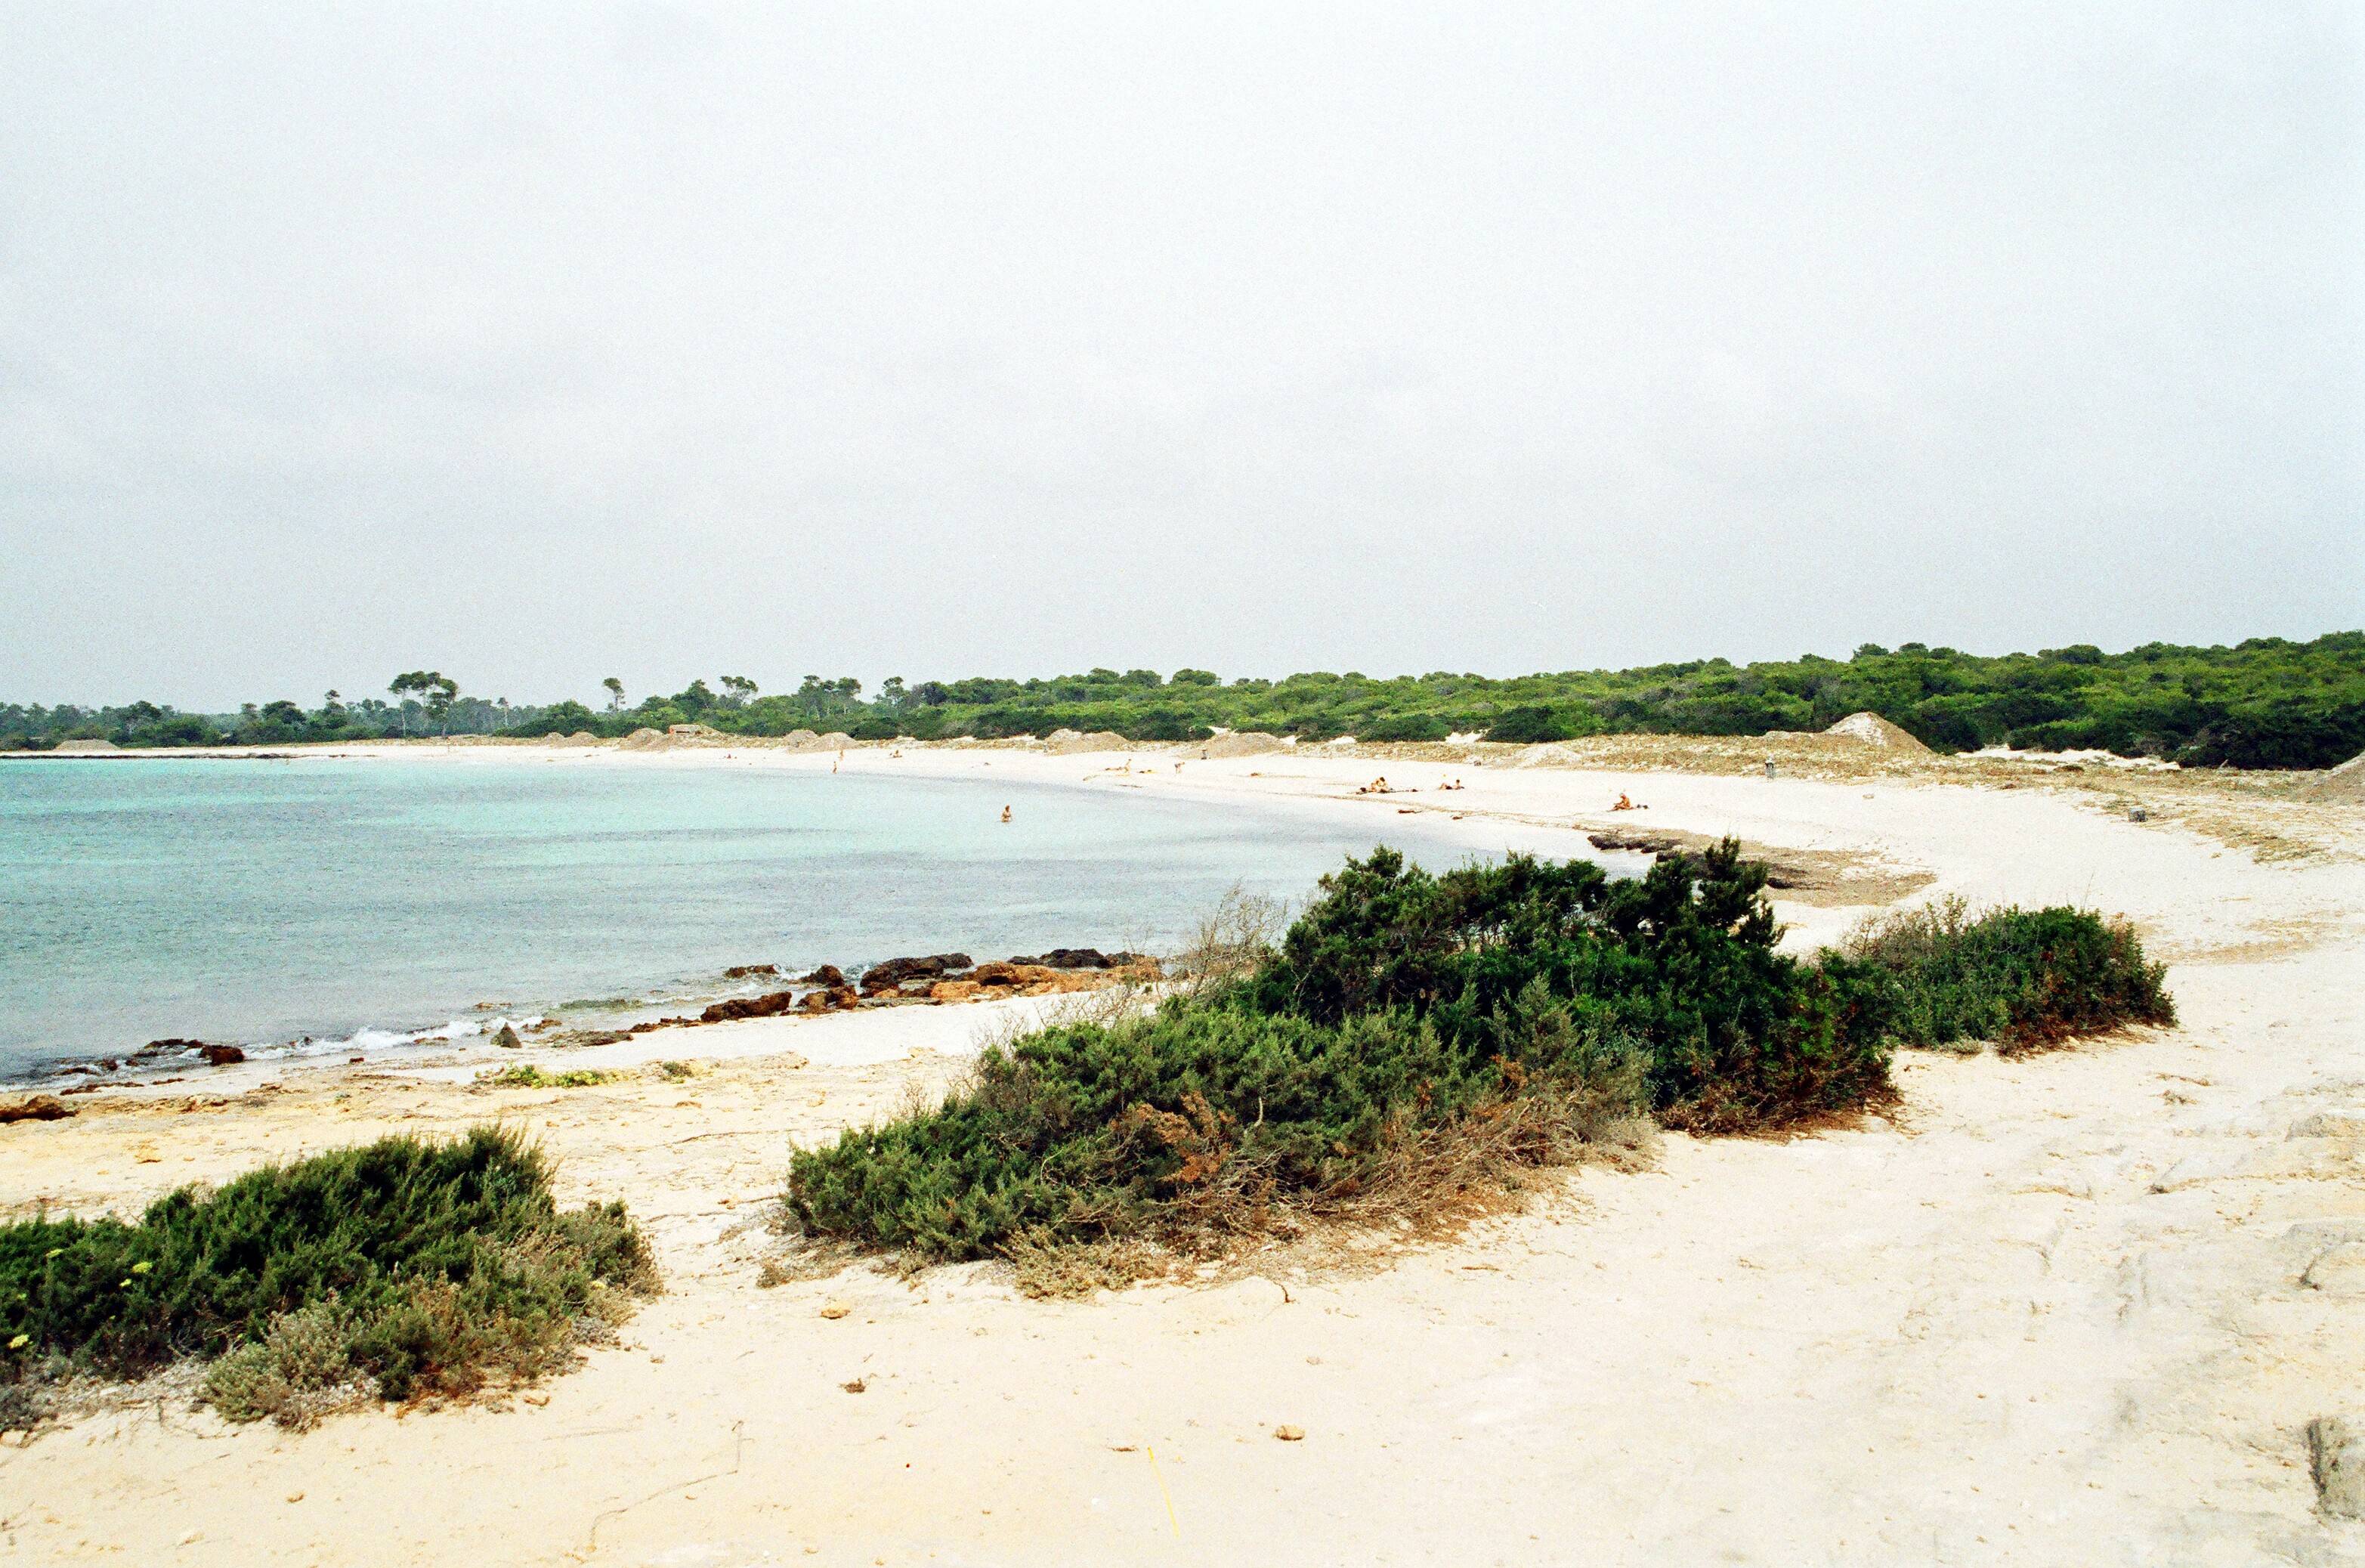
265 902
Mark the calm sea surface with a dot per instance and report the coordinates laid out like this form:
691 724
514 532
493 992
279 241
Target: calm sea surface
320 900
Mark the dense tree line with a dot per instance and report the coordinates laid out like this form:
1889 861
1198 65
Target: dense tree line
2268 702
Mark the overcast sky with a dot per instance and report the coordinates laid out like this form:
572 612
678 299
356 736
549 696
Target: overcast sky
539 344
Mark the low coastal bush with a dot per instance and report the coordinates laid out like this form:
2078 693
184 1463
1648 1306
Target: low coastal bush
1202 1120
399 1269
1412 1042
1732 1035
2023 978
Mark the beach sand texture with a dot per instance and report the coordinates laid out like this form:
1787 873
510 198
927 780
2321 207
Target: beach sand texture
2073 1307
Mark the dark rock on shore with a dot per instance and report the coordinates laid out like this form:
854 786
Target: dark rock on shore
38 1108
828 974
221 1056
895 972
741 972
832 999
1640 843
166 1049
1076 958
763 1006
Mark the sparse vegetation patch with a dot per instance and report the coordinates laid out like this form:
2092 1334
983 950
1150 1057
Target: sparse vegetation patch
402 1267
2021 978
528 1076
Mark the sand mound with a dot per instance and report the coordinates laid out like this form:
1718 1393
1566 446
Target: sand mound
836 740
84 748
580 737
1873 730
694 732
1098 740
643 739
1552 754
2346 782
1245 742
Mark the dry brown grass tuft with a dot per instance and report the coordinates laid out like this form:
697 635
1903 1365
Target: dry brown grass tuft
1230 942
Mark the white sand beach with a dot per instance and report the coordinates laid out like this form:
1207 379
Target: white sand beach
2071 1307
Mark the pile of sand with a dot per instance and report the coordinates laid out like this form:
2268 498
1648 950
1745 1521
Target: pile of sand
580 737
1061 741
1552 754
836 740
643 739
1243 743
2346 782
84 748
1873 730
694 731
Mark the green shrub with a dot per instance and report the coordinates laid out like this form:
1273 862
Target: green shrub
1415 1039
1682 961
1527 725
301 1370
1198 1119
2023 979
411 1265
1404 1016
1405 727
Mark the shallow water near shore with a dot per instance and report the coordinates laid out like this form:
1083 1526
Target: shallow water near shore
313 902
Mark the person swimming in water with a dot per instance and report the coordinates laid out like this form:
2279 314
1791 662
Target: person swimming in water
1006 814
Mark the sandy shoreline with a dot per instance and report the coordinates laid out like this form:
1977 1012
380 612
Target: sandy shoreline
2055 1313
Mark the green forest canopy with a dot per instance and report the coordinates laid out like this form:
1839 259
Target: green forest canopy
2267 702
